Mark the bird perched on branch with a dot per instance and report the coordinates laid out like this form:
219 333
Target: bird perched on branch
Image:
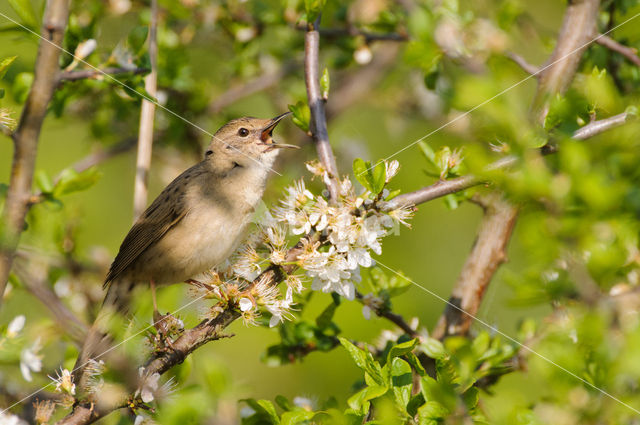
195 223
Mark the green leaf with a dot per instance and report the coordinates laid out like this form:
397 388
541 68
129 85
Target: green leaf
364 360
284 403
378 176
360 171
325 83
401 382
433 348
415 363
4 65
297 417
43 181
360 400
432 410
373 178
264 408
21 85
71 181
325 318
301 115
402 349
313 8
26 13
137 37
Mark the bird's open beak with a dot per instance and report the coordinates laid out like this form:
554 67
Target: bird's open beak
267 133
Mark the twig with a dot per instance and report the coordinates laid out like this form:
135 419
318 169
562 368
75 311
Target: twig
628 52
445 187
147 112
578 25
522 63
488 252
25 138
596 127
318 124
396 319
352 31
189 341
260 83
85 74
35 281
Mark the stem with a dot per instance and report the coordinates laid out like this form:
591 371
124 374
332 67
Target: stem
487 254
578 26
25 139
147 112
628 52
85 74
318 124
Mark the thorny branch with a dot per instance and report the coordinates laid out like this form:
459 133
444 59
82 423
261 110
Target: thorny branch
86 74
318 124
147 112
489 250
25 139
487 254
352 31
394 318
628 52
189 341
578 25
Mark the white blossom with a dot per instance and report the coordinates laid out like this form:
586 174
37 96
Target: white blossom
148 387
10 419
245 304
15 326
30 360
64 382
366 312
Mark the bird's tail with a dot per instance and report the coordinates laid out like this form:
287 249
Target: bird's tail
98 343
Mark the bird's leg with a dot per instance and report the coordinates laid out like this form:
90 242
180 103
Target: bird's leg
157 317
165 324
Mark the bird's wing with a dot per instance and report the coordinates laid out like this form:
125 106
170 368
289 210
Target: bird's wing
165 212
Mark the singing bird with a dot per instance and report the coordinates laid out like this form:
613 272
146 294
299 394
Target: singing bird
195 223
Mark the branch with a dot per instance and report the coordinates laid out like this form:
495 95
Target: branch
382 311
522 63
147 112
89 74
189 341
487 254
258 84
628 52
596 127
578 26
318 124
445 187
352 31
35 281
25 138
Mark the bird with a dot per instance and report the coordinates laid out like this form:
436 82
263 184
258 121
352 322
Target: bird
193 225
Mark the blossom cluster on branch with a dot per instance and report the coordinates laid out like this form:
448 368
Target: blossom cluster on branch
339 238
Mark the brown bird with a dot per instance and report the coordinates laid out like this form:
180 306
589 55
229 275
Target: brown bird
195 223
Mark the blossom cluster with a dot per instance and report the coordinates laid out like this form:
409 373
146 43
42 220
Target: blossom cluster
338 238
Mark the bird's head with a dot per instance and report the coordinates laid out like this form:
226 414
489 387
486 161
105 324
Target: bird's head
247 141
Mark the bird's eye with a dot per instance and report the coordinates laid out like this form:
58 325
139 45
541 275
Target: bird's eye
207 153
243 132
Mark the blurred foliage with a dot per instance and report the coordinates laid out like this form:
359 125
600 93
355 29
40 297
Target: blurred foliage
576 248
